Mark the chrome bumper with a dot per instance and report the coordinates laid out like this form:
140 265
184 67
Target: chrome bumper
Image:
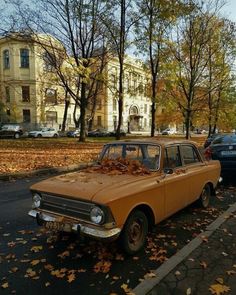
97 233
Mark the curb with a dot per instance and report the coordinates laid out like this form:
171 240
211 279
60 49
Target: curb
57 170
148 285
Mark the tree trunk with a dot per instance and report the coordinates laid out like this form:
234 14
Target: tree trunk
83 104
67 103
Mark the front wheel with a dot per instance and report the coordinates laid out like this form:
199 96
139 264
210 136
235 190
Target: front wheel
17 135
134 233
204 199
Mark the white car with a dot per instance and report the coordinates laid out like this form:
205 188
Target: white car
168 131
44 132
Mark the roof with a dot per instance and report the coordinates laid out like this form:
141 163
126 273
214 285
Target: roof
153 140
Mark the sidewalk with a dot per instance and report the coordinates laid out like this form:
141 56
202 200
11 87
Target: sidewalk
207 265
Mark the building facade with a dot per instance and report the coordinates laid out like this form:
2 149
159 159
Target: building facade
30 96
136 115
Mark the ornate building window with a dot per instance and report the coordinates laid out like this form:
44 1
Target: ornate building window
25 93
24 58
6 59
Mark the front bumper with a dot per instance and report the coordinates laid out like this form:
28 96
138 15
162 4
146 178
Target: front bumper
91 231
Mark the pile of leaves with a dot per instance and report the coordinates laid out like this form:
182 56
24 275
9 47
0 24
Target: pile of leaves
120 166
32 154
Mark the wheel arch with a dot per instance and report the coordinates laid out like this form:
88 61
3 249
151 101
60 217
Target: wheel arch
146 209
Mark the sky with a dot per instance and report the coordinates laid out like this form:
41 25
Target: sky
229 10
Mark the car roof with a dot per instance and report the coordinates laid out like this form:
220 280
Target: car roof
160 141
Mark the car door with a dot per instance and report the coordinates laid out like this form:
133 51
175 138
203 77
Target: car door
195 169
176 181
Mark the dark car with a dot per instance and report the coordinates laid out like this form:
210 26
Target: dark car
100 132
122 132
73 133
210 139
11 130
223 148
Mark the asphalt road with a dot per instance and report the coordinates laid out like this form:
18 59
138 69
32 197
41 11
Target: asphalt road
35 262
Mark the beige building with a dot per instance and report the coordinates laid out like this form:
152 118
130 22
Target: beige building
30 96
136 104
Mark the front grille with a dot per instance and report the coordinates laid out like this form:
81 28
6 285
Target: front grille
68 207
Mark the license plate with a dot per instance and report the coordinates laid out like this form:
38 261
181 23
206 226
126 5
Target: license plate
228 153
58 226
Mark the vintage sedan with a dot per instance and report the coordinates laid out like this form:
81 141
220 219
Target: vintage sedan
134 185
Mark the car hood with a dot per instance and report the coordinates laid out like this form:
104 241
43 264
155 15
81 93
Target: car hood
96 187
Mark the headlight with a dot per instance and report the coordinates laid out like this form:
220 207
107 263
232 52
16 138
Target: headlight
96 215
36 201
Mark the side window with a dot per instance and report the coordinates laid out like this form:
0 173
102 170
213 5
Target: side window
172 157
189 155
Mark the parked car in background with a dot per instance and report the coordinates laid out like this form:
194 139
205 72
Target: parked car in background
168 131
73 133
44 132
134 185
122 132
210 139
223 148
11 131
100 132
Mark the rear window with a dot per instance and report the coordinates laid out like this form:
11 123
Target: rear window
225 139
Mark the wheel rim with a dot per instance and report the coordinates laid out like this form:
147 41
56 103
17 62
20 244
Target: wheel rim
136 233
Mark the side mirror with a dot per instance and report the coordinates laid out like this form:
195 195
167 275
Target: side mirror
168 171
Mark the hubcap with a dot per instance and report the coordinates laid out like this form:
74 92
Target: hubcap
135 232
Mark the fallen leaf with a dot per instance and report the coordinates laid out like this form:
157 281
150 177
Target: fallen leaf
189 291
71 278
219 289
230 272
5 285
36 249
34 262
203 264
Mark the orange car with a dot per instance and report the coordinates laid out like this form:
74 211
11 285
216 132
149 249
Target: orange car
134 185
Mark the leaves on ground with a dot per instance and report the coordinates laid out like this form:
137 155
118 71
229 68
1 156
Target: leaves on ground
218 289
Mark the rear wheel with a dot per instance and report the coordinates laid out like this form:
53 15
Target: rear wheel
39 135
55 135
134 233
204 199
17 135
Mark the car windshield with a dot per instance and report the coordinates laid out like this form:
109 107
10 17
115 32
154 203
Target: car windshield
225 139
146 154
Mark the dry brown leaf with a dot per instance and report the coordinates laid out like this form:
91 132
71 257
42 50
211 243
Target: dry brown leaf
231 272
36 249
64 254
34 262
203 264
70 277
218 289
5 285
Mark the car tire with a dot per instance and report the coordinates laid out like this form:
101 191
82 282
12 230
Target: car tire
133 236
205 197
39 135
55 135
17 135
